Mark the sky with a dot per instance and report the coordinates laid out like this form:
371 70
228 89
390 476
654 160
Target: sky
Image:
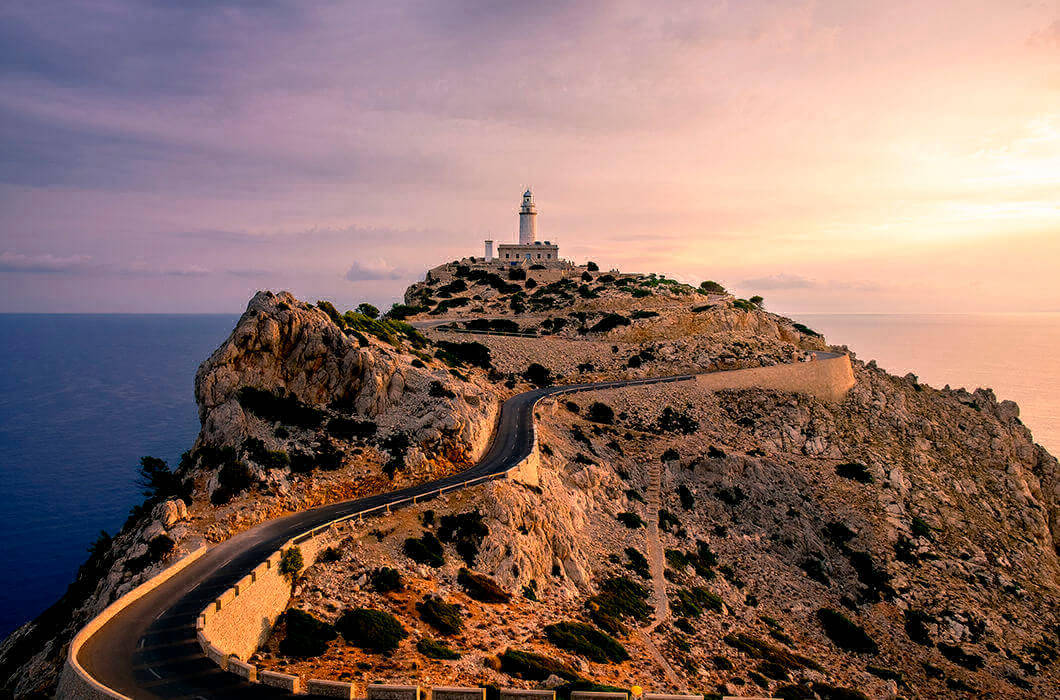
827 155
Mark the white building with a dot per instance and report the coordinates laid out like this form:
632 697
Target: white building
528 251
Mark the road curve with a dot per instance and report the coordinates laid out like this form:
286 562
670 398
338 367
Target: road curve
149 650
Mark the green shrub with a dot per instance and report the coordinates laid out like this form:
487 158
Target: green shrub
481 587
291 562
156 479
712 287
538 375
844 633
399 312
440 615
465 531
366 309
760 649
397 445
277 408
306 635
425 550
233 479
375 631
670 455
621 597
921 528
854 470
806 330
609 323
433 649
592 267
601 413
671 421
475 354
630 520
580 638
386 580
437 390
351 429
269 459
534 667
692 603
638 563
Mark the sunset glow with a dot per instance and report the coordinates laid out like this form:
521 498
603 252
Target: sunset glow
827 155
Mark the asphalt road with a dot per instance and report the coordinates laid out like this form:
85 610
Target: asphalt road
149 649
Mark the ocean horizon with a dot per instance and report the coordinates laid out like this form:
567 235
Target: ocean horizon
84 396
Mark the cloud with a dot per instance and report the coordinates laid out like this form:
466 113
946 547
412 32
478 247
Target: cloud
378 269
47 263
781 281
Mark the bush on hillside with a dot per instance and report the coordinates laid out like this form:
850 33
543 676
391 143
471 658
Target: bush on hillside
688 501
433 649
386 580
621 597
609 323
580 638
638 563
425 550
712 287
481 587
844 633
601 413
440 615
465 531
474 354
630 520
693 602
673 421
256 450
351 429
538 375
534 667
306 635
854 470
366 309
233 479
277 408
374 631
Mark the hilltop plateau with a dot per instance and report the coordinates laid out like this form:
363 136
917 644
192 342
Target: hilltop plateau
899 543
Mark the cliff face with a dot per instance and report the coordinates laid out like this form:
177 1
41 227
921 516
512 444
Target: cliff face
299 407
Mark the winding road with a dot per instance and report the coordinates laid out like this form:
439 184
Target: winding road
149 650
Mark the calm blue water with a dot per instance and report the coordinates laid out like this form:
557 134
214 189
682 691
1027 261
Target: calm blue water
82 398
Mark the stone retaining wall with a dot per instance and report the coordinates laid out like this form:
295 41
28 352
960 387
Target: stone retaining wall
828 378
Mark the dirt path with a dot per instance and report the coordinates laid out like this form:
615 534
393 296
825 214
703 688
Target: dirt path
657 563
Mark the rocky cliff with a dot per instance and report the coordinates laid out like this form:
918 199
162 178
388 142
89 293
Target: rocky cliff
900 543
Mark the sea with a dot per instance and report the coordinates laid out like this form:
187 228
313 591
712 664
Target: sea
83 397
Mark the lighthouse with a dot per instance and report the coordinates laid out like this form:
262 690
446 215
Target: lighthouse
527 220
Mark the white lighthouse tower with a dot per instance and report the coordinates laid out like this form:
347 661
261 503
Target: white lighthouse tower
527 220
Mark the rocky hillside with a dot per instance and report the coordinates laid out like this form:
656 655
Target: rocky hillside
902 543
300 406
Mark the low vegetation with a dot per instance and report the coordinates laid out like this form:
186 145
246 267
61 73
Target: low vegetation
306 635
375 631
442 616
586 640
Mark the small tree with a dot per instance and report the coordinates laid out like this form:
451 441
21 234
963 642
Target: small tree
156 479
756 300
712 287
592 267
538 375
368 310
291 562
